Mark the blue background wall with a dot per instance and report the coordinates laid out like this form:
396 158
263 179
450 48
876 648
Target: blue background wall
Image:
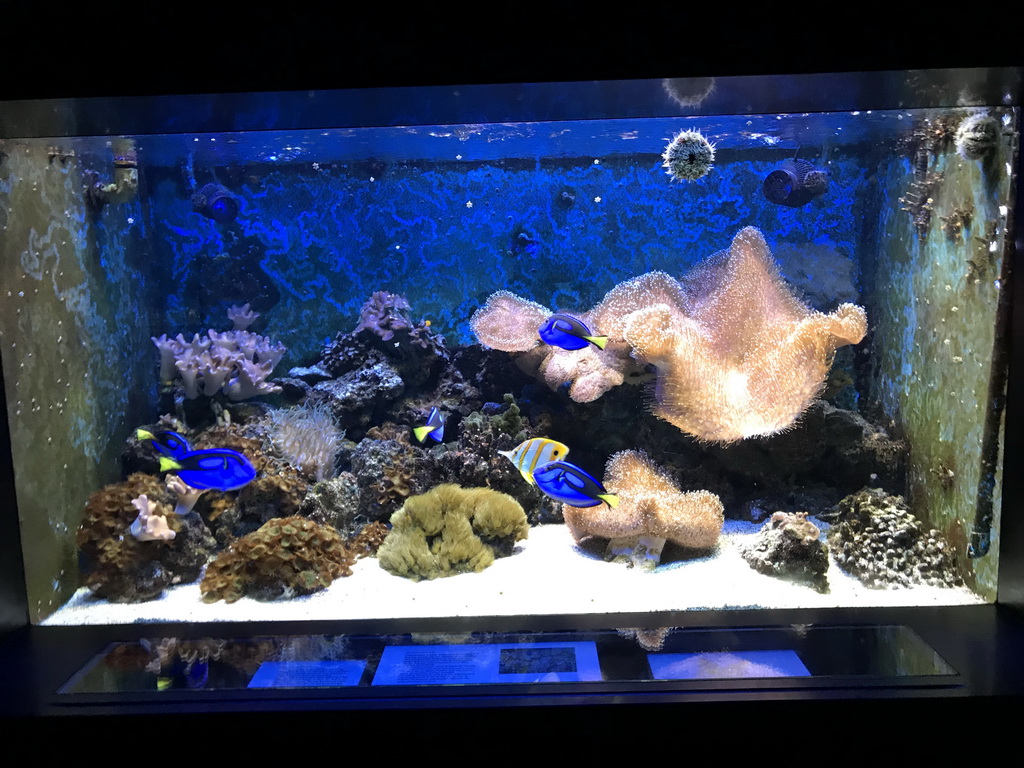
314 241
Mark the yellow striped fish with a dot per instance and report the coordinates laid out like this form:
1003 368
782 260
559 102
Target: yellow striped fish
533 453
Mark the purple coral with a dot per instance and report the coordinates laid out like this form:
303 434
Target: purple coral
235 362
384 314
242 316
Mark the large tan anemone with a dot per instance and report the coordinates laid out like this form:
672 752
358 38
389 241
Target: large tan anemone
651 510
738 355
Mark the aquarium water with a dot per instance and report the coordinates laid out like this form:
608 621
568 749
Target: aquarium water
514 368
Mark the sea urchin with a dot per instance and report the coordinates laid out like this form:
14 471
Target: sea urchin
977 136
688 156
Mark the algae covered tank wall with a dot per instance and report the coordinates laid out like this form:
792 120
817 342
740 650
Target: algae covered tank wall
74 341
946 213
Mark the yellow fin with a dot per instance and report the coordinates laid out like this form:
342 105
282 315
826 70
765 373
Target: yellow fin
610 499
597 341
143 434
167 464
422 432
527 476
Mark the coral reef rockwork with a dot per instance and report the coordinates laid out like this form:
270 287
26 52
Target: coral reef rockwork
122 567
737 354
334 502
364 377
491 406
451 530
788 546
879 541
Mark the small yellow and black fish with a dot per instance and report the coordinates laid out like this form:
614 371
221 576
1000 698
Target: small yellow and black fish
568 332
530 454
434 428
571 485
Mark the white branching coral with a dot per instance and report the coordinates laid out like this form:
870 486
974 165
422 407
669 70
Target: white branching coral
242 317
149 526
307 438
187 495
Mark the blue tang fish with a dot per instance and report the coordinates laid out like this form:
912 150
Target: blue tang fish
570 485
168 443
568 332
434 428
197 675
219 469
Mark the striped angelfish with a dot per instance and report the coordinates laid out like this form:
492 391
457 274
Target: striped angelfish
533 453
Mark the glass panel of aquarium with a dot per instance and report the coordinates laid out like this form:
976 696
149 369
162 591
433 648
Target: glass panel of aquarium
361 666
664 355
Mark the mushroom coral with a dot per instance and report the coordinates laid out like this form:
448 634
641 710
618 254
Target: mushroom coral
651 510
737 353
509 323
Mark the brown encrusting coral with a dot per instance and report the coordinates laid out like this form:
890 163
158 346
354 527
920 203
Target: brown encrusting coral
286 557
651 510
126 566
451 530
368 540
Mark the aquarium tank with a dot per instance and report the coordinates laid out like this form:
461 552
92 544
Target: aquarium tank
603 349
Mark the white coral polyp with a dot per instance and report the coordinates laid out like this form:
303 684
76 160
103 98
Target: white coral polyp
307 438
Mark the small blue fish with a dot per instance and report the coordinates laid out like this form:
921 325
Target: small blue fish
197 674
568 332
434 428
570 485
168 443
220 469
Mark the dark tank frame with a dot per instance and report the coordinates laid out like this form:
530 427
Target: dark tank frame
982 643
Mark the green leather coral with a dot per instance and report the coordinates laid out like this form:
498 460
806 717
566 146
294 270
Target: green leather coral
451 530
288 556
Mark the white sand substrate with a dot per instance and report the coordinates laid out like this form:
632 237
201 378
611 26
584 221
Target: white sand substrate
547 574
